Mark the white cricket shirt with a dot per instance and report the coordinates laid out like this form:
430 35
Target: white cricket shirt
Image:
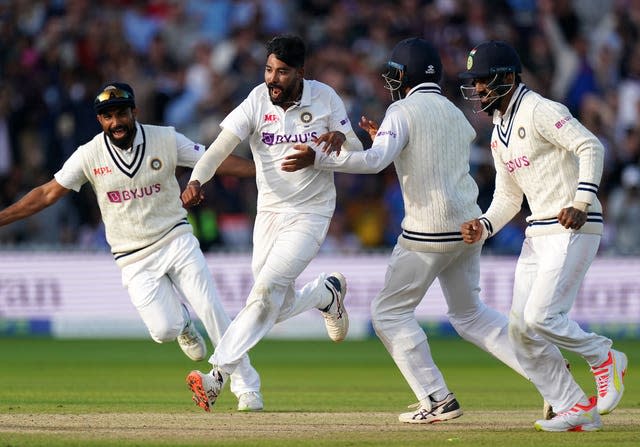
272 134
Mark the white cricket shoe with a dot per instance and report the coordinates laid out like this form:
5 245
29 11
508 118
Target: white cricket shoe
192 343
335 315
577 418
609 381
547 409
428 411
250 401
206 387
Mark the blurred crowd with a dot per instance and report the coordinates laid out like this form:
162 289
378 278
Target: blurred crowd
191 62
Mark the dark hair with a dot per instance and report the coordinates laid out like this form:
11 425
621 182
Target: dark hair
290 49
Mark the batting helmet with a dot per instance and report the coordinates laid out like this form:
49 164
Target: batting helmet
412 62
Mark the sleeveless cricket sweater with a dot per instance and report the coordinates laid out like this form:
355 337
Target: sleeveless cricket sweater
139 198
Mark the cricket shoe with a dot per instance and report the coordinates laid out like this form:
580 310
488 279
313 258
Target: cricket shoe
429 411
335 315
547 409
577 418
250 401
609 381
192 343
206 387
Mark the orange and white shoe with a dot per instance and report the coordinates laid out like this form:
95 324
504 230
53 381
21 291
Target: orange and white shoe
577 418
610 381
206 387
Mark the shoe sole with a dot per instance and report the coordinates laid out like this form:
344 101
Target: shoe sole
441 418
583 427
194 382
345 316
623 371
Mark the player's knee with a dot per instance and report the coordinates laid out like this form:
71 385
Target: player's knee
537 322
164 332
262 301
381 320
517 332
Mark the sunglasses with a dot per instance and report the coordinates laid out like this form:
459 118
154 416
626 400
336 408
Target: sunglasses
113 93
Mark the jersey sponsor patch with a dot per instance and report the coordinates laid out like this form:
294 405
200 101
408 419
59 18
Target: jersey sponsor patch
103 170
517 163
271 118
383 133
131 194
563 121
270 139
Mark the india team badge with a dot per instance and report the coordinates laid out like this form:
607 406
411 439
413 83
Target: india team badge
470 59
156 164
521 133
306 117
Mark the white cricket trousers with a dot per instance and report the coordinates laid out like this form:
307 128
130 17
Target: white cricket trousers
548 276
283 245
180 266
409 276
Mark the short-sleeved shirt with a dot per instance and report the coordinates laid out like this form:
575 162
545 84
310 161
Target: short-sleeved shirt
273 132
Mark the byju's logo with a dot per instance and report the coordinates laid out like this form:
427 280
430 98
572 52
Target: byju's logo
270 139
130 194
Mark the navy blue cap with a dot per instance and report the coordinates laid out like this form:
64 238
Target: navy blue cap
491 58
114 94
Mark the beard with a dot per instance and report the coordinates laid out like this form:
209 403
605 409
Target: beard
282 96
122 136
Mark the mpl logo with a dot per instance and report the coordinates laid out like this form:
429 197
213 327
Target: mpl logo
271 118
494 144
102 170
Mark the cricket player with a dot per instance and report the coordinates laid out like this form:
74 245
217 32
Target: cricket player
428 140
131 168
294 210
543 153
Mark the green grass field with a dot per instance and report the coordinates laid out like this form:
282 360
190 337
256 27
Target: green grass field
132 393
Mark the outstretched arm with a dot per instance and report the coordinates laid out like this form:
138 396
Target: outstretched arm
35 200
237 166
208 165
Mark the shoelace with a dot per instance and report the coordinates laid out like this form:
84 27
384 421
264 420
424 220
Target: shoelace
601 374
602 382
575 409
188 338
423 409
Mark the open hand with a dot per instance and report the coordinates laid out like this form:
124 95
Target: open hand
369 126
331 142
303 157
